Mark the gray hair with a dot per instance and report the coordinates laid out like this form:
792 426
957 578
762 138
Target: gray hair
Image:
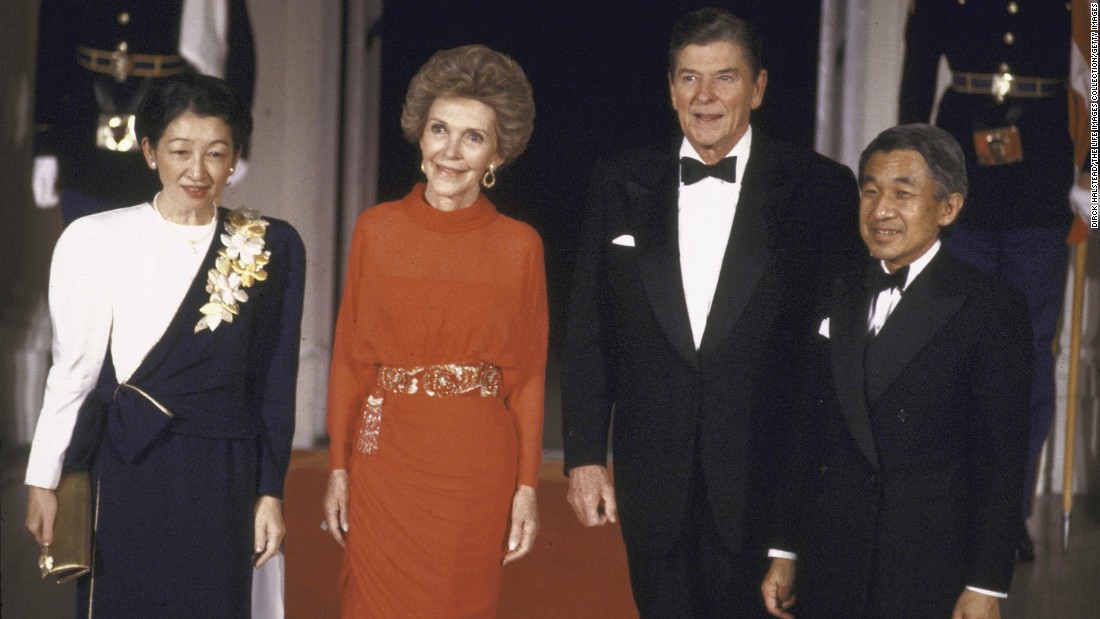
941 153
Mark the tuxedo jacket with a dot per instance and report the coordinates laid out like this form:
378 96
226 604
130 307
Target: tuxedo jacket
912 447
629 346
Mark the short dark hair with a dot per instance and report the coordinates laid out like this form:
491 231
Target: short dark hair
941 153
711 25
202 95
482 74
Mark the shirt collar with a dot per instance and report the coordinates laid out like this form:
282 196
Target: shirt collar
740 150
917 265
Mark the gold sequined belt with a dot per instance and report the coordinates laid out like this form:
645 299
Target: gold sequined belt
449 379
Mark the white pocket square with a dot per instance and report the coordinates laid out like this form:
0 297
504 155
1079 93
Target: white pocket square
625 240
824 328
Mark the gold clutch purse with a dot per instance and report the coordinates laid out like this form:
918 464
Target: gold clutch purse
70 554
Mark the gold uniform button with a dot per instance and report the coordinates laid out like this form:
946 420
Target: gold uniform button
123 46
962 1
1009 38
1004 68
123 18
1013 8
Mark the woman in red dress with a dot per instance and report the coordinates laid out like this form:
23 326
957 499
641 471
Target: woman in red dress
438 371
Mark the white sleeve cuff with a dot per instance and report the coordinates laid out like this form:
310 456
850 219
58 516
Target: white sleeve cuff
782 554
995 594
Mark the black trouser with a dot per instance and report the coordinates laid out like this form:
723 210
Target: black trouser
696 576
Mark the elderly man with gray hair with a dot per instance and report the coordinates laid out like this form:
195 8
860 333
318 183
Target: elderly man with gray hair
914 420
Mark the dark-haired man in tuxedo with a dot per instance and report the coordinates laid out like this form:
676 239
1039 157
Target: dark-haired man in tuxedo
914 426
699 264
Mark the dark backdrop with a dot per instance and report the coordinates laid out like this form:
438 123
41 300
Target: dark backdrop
598 70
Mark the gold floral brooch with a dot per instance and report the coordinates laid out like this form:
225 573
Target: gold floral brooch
239 265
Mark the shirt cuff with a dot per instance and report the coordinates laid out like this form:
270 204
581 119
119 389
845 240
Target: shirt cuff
782 554
995 594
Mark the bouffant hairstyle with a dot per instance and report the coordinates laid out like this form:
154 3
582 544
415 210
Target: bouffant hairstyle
479 73
201 95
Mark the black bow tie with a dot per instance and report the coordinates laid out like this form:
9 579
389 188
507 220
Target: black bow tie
879 280
693 170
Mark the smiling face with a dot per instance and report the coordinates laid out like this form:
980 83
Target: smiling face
458 146
193 159
713 92
899 214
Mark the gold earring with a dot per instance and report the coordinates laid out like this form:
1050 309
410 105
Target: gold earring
489 179
422 167
231 170
153 165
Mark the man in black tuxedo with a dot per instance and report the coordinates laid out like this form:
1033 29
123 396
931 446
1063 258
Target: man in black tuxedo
690 297
914 428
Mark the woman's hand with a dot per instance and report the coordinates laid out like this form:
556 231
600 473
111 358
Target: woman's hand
41 514
525 524
270 529
336 505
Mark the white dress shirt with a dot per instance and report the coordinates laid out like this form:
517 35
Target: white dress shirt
117 277
888 299
706 211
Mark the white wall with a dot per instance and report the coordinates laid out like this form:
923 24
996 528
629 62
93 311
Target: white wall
293 173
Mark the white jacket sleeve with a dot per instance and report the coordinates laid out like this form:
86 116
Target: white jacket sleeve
80 315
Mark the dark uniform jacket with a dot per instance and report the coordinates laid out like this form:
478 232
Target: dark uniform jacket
1031 39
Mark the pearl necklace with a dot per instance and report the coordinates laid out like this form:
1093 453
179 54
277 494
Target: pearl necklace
192 243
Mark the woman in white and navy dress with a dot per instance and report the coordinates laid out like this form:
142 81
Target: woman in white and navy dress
177 322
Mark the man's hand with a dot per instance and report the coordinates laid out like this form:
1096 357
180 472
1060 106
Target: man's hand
44 181
778 588
525 524
269 530
335 505
41 514
592 496
974 605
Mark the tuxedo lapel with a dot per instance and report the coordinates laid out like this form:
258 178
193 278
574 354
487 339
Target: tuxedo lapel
924 309
749 247
848 336
655 208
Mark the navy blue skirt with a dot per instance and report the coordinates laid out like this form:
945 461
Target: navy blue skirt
174 530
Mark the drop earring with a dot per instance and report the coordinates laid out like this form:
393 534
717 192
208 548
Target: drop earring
489 179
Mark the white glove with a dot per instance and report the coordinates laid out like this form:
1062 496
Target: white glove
1080 200
44 181
238 173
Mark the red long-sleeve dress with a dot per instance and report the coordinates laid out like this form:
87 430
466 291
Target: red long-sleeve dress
428 511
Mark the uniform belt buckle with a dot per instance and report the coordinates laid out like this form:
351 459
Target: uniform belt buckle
1002 85
116 132
121 65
